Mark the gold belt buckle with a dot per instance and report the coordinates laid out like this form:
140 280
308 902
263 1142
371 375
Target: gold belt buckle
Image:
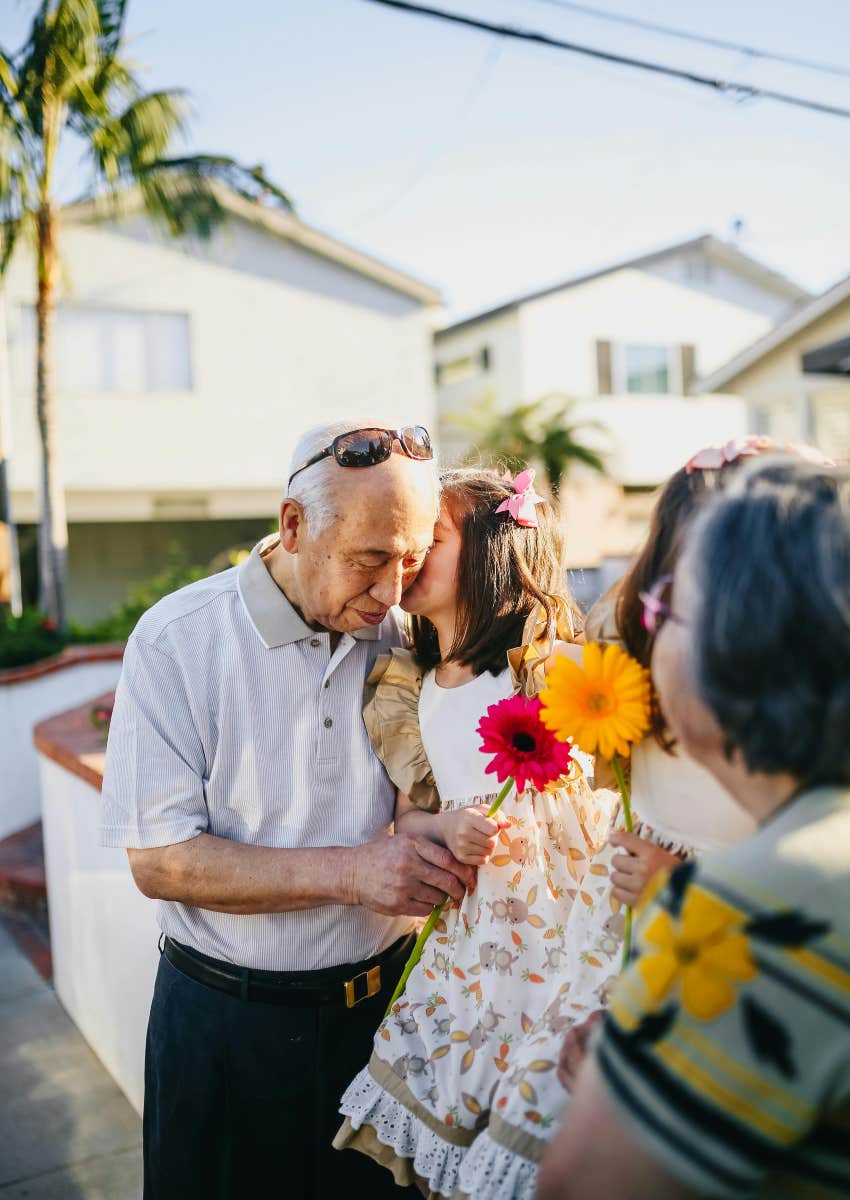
373 986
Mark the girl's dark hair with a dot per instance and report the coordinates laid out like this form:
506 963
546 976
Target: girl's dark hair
676 505
504 571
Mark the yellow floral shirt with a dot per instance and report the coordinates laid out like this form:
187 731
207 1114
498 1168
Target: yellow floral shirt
727 1042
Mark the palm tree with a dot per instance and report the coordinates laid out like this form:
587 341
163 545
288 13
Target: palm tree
70 78
539 431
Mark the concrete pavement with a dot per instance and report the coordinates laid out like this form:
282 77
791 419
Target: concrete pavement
66 1131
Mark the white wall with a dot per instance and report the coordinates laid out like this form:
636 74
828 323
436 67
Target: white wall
650 437
23 705
103 932
500 336
701 273
281 338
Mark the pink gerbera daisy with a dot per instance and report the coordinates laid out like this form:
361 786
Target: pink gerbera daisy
521 745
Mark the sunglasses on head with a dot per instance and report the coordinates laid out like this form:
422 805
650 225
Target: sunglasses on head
656 606
368 447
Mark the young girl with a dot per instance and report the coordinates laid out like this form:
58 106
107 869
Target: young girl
493 581
679 811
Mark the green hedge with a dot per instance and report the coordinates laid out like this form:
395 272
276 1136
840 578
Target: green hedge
31 637
27 638
121 622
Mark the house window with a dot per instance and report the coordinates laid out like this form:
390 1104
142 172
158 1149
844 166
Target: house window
457 370
111 350
645 369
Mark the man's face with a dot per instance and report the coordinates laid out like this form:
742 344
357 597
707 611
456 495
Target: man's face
357 568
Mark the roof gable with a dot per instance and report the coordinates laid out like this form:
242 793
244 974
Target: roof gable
723 252
795 323
288 227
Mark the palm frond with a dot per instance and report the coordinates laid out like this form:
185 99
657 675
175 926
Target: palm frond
137 137
112 14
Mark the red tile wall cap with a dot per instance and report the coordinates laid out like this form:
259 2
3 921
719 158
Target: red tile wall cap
71 656
71 740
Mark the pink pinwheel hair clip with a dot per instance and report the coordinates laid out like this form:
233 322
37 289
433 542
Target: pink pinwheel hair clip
521 504
809 454
712 458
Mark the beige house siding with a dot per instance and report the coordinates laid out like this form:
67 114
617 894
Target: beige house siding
790 405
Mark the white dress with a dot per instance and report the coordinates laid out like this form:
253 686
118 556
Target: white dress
676 804
451 1037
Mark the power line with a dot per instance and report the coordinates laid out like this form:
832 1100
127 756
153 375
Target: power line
442 145
743 91
603 14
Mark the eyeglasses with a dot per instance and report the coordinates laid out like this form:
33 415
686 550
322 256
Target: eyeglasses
656 606
368 447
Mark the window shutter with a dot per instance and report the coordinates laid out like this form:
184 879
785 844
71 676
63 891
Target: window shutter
688 363
603 368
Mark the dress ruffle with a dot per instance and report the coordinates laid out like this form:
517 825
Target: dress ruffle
491 1172
391 716
412 1148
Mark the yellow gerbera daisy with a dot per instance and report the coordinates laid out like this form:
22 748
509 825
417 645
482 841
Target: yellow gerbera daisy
703 955
602 706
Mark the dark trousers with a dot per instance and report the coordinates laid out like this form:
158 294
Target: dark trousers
241 1098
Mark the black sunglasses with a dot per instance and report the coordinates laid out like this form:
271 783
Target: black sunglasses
368 447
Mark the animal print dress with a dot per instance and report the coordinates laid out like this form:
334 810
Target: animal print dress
452 1036
677 805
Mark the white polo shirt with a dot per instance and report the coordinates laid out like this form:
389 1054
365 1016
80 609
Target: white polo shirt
232 717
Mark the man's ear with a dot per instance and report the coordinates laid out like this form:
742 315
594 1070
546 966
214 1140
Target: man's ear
293 526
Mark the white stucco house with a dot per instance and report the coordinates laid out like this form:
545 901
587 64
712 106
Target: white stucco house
629 343
185 372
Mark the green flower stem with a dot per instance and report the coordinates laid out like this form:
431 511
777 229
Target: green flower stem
427 929
627 817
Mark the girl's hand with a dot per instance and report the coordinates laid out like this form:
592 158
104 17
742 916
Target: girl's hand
574 1049
470 834
634 869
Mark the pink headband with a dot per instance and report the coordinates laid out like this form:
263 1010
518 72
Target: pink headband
712 458
521 504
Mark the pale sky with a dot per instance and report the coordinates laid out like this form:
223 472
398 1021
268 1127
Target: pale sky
491 168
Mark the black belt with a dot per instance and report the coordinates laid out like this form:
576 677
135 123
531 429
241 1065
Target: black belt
347 984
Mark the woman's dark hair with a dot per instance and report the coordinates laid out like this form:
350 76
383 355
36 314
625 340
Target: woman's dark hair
504 571
771 632
674 509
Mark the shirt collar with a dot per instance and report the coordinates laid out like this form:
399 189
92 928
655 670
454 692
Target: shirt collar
272 614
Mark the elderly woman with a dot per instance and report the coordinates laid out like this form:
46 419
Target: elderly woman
723 1065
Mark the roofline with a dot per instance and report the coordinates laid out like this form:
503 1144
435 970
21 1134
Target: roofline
289 227
714 246
795 323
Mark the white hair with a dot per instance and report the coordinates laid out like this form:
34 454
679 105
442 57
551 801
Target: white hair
315 489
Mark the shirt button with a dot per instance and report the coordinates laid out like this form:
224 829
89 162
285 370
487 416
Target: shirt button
315 643
328 722
327 683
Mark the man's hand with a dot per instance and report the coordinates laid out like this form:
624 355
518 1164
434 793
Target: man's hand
574 1049
470 834
634 869
407 875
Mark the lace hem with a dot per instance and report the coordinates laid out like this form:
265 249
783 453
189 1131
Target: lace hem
432 1158
492 1172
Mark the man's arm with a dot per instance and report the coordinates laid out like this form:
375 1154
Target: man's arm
393 875
595 1156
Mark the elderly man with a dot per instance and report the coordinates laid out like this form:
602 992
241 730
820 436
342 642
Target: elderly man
240 779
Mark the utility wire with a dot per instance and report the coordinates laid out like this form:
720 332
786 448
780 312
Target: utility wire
603 14
743 91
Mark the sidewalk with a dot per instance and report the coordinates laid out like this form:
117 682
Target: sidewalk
66 1131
